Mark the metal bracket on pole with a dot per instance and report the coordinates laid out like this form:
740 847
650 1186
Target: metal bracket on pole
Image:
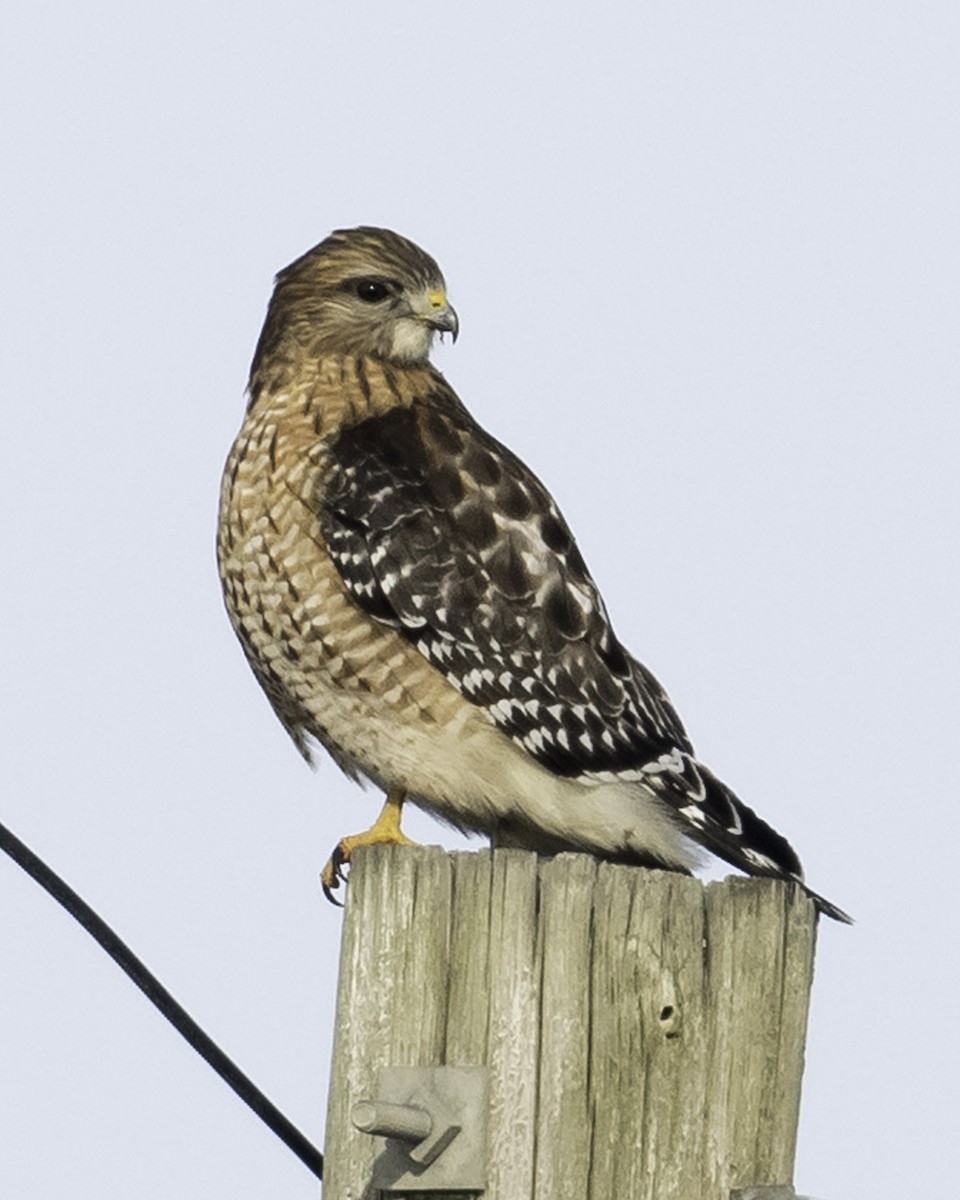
433 1120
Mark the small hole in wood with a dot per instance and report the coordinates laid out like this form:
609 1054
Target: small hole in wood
666 1012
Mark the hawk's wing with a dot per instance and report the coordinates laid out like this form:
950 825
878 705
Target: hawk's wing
440 531
443 533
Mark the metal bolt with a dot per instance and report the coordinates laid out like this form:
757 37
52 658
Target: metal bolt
428 1132
434 1123
409 1122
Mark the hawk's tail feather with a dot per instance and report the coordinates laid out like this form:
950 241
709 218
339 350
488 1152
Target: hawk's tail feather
748 842
826 908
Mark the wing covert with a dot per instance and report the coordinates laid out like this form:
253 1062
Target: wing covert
441 532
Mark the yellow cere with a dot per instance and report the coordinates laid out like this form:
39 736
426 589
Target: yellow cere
437 299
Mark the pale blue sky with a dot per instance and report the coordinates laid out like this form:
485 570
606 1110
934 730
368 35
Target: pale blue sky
706 263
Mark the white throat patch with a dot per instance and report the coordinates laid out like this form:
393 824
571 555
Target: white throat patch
412 340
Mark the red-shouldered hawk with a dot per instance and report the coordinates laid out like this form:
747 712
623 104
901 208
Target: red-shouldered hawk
409 596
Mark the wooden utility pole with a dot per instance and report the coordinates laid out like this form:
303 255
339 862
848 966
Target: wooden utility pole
642 1033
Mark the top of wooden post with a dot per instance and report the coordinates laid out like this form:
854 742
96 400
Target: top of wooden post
643 1032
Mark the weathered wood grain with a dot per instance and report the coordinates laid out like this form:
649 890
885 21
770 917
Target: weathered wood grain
760 942
565 938
513 1034
647 1035
468 981
644 1034
395 950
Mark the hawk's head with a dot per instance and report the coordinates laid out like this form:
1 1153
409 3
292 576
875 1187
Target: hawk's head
361 291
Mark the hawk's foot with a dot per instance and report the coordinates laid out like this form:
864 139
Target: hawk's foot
385 831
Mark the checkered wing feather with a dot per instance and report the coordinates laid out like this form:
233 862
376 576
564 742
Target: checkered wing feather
441 532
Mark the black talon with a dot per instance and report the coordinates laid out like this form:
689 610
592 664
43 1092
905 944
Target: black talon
328 892
337 859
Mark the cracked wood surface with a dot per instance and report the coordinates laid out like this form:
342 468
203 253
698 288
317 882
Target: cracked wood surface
644 1032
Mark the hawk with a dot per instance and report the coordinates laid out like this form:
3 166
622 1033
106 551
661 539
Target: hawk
411 599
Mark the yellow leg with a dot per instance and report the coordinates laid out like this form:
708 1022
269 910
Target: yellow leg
385 831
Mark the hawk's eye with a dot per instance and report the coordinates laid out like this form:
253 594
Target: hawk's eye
372 291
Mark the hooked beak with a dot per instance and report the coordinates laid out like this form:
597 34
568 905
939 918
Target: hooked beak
441 315
445 321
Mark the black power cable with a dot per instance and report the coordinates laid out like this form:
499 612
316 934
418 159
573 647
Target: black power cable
158 995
